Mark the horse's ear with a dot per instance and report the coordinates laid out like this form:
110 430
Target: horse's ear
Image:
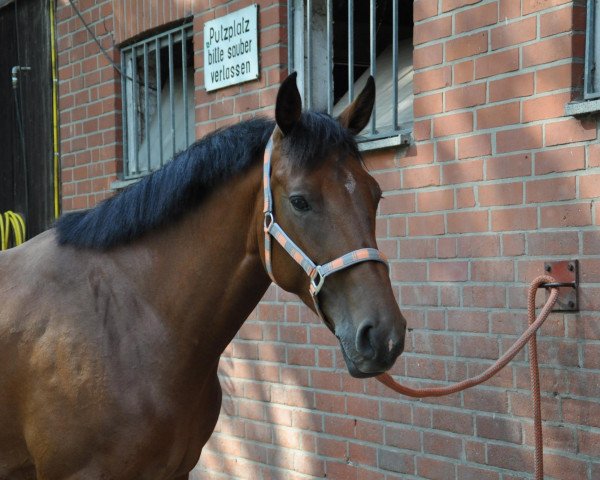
356 115
289 105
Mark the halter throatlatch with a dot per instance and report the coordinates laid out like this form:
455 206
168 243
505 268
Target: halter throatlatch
316 273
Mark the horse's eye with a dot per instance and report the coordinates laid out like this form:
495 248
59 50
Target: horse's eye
300 203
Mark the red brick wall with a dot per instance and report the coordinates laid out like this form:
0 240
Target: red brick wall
89 105
497 181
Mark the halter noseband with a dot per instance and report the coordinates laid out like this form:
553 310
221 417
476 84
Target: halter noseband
316 273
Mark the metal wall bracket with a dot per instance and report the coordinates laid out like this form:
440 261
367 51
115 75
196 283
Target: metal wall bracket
566 273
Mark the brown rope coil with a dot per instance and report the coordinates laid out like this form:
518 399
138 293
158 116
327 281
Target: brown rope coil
527 336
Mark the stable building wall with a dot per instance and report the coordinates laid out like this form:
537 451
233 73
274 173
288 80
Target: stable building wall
497 180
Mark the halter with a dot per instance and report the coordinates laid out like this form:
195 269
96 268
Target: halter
316 273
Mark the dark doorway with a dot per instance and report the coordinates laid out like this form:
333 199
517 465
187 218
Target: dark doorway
26 156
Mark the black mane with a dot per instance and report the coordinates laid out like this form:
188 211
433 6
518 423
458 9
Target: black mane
165 195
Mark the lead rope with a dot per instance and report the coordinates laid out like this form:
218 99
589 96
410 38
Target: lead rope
527 336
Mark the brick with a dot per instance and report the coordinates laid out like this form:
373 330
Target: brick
594 155
424 296
551 50
474 146
465 97
476 17
589 186
511 458
514 33
417 248
478 246
465 472
446 248
428 56
559 160
498 428
452 421
562 20
463 72
477 346
428 105
432 30
553 243
497 63
462 172
551 190
443 445
435 469
558 77
582 412
436 200
399 203
508 166
426 225
512 87
466 46
422 130
498 115
424 9
465 197
591 243
467 222
409 271
569 215
561 466
448 272
492 271
510 219
531 6
448 5
570 131
465 321
500 194
486 400
445 150
394 461
523 138
508 9
417 177
432 80
542 108
452 124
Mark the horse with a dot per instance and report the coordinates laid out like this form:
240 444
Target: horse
113 321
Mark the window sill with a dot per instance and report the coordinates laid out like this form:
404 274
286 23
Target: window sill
121 184
583 107
404 137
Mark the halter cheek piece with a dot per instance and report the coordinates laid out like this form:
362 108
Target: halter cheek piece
316 273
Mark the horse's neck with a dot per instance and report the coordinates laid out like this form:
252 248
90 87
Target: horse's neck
204 274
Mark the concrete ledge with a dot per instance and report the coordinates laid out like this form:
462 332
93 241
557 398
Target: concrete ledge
580 108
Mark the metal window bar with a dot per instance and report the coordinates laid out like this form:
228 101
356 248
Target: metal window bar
350 51
137 101
592 51
329 57
313 46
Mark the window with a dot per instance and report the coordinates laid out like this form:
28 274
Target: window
335 46
158 100
592 51
591 87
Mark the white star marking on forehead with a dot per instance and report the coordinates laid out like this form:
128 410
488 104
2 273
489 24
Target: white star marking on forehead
350 182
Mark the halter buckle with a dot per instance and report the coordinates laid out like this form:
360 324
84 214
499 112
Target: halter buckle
268 221
316 281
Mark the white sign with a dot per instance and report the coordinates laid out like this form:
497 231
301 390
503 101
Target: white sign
231 49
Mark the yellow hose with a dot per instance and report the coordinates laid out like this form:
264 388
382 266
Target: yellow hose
11 222
56 151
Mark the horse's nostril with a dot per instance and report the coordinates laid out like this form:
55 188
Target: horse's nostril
363 340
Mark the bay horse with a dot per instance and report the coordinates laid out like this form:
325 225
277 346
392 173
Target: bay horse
113 321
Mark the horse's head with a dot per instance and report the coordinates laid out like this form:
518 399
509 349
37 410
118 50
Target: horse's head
325 201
